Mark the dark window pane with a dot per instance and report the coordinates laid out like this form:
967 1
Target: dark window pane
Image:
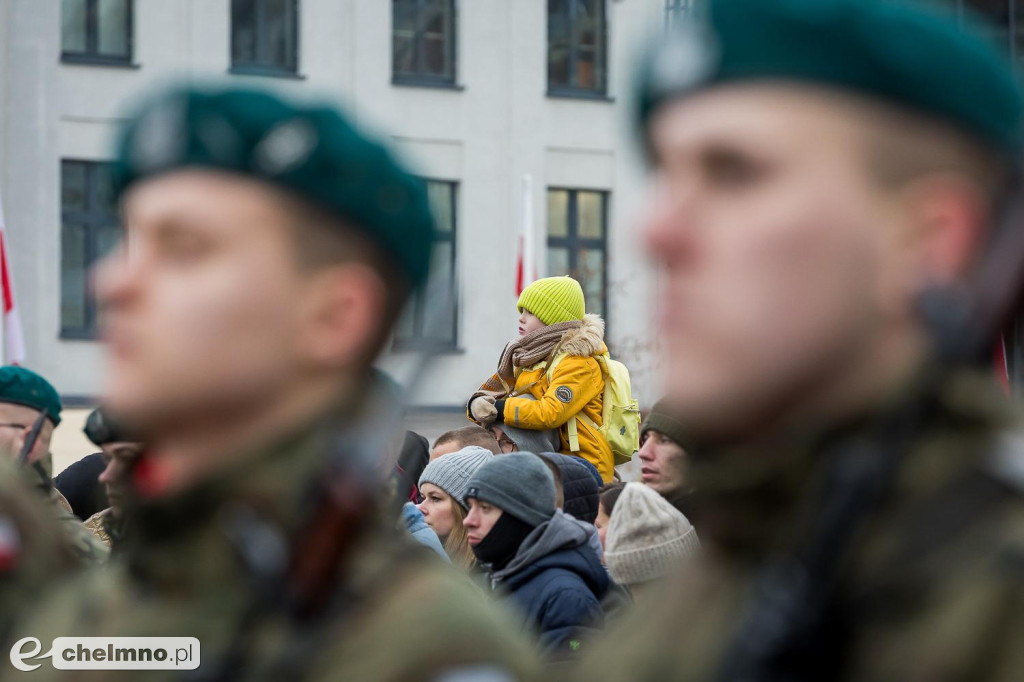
107 239
423 39
243 31
590 274
576 45
577 241
112 28
441 203
558 261
73 278
264 33
103 187
433 312
72 186
89 231
558 213
590 207
277 18
439 313
73 26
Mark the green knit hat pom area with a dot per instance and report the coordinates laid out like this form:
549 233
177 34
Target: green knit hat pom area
554 300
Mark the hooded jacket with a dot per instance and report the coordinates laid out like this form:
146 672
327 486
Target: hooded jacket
556 582
581 488
577 385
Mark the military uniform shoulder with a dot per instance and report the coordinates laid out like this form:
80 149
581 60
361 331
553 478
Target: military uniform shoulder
445 625
1005 462
97 525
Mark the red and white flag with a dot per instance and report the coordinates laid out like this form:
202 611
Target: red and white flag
526 267
13 337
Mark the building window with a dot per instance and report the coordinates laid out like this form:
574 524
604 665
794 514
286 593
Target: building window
677 11
1007 15
578 242
423 41
89 229
577 47
432 316
96 31
265 37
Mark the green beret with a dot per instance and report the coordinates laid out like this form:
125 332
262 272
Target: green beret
898 51
24 387
312 150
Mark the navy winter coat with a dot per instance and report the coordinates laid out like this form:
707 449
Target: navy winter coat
556 582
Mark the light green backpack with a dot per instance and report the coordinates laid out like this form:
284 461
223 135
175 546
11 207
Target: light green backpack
620 419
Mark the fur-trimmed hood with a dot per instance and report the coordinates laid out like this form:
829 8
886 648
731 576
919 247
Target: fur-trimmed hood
587 340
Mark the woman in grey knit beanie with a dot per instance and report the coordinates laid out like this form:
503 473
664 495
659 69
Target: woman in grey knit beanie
647 538
443 487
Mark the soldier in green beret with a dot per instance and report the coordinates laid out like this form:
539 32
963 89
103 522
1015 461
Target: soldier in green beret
837 232
25 397
269 248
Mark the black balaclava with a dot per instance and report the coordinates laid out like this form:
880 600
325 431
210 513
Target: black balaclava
502 542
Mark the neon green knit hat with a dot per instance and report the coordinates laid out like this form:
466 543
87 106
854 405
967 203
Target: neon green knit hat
554 300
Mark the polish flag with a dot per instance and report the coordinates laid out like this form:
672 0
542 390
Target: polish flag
13 338
526 268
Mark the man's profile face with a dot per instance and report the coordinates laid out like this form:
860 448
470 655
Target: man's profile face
203 301
119 458
770 243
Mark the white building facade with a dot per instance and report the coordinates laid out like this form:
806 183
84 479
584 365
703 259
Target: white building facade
478 94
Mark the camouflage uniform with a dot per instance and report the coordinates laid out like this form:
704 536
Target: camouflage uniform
87 548
102 524
402 614
32 553
934 590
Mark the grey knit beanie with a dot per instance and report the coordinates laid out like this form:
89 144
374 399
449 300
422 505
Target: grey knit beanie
519 484
646 537
451 472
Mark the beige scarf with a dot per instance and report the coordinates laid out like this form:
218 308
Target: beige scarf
525 351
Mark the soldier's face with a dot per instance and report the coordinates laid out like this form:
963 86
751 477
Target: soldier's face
208 314
774 251
119 458
15 424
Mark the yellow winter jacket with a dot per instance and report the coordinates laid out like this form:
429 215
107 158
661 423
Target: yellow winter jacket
577 385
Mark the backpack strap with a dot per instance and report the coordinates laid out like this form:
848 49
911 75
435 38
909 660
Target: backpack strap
572 430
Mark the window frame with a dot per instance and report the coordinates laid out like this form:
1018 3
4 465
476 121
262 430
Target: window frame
417 304
92 220
574 244
677 11
452 41
91 55
600 92
264 67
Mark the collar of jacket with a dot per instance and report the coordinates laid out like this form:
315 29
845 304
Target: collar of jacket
272 486
748 501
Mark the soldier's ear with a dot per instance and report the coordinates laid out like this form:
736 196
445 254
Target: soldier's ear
949 217
344 311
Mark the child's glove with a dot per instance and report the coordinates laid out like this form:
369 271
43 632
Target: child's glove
483 410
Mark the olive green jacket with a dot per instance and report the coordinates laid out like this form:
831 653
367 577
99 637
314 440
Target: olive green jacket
931 587
401 613
33 550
